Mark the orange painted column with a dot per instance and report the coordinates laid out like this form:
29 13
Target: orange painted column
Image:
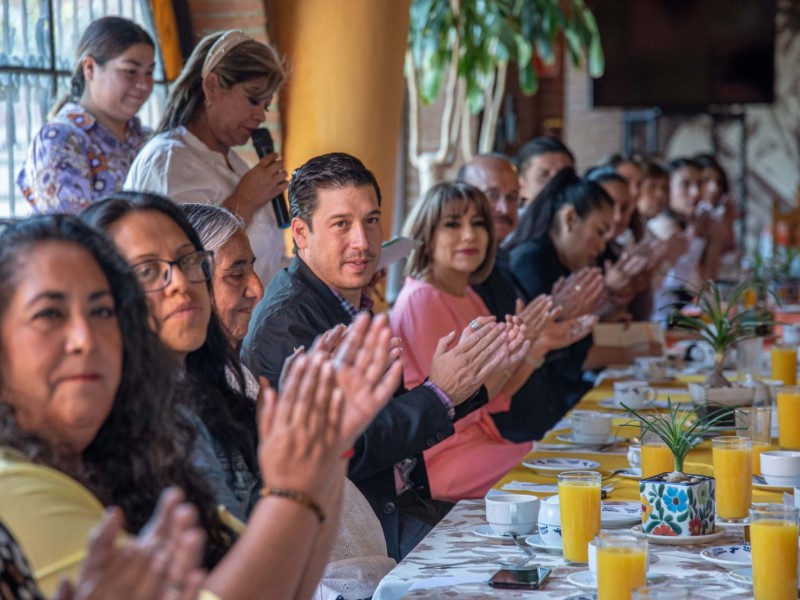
345 88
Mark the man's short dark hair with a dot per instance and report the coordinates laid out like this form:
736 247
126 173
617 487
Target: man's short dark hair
329 171
544 144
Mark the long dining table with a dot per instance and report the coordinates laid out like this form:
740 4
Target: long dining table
454 561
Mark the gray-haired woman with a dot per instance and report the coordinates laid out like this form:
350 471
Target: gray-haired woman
220 98
237 288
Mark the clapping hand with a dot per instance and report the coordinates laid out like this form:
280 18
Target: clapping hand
366 373
579 294
161 563
461 370
534 315
301 431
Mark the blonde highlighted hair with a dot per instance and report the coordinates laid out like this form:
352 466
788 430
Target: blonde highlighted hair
247 60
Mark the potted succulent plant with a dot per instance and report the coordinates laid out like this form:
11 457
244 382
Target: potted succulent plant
721 322
677 503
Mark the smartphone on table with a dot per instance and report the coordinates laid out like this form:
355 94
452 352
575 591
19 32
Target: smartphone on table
523 578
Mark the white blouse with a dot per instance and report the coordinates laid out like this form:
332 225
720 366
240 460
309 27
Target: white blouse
177 164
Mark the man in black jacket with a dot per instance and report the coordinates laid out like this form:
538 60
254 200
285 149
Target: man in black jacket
336 226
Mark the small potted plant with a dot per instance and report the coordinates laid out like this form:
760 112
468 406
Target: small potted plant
720 322
677 503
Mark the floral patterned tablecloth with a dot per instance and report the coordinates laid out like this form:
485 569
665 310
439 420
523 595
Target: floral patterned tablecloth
453 541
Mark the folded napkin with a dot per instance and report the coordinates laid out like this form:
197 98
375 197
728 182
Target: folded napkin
548 488
570 449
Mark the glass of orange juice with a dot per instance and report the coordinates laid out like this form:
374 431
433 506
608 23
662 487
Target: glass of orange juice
755 423
784 363
733 470
656 456
579 500
621 565
773 547
789 417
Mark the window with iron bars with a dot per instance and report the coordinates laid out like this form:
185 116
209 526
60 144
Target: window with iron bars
38 39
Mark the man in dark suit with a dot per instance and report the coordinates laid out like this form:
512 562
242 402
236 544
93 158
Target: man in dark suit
336 226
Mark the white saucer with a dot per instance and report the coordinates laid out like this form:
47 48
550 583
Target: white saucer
744 577
761 483
632 473
618 513
610 403
729 557
535 541
586 581
667 540
567 437
675 402
552 466
485 531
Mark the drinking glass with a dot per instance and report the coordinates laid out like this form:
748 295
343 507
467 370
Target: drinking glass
656 455
773 547
789 417
733 470
579 498
755 423
621 565
749 354
784 363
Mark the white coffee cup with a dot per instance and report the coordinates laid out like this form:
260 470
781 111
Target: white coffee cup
650 367
590 426
635 394
512 512
635 456
550 522
791 334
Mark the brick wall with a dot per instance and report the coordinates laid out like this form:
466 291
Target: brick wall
591 134
208 16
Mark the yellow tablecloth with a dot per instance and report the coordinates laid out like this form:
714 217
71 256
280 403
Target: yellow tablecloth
698 461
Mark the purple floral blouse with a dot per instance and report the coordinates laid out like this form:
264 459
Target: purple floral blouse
75 160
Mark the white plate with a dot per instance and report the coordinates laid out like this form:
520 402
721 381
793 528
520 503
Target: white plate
675 401
618 513
586 581
567 437
632 473
667 540
485 531
558 465
743 577
761 483
535 541
730 557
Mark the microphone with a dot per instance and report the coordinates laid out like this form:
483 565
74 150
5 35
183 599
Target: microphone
262 141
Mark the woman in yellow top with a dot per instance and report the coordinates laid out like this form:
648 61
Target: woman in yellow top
88 417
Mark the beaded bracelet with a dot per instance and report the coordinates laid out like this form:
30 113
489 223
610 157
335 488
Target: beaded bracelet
298 497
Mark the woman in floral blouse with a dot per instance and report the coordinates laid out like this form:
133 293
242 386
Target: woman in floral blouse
86 148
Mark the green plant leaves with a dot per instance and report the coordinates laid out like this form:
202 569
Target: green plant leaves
491 33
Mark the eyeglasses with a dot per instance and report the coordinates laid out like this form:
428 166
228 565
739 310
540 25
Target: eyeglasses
155 274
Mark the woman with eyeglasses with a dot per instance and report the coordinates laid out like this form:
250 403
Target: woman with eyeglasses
174 270
92 136
90 417
219 100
